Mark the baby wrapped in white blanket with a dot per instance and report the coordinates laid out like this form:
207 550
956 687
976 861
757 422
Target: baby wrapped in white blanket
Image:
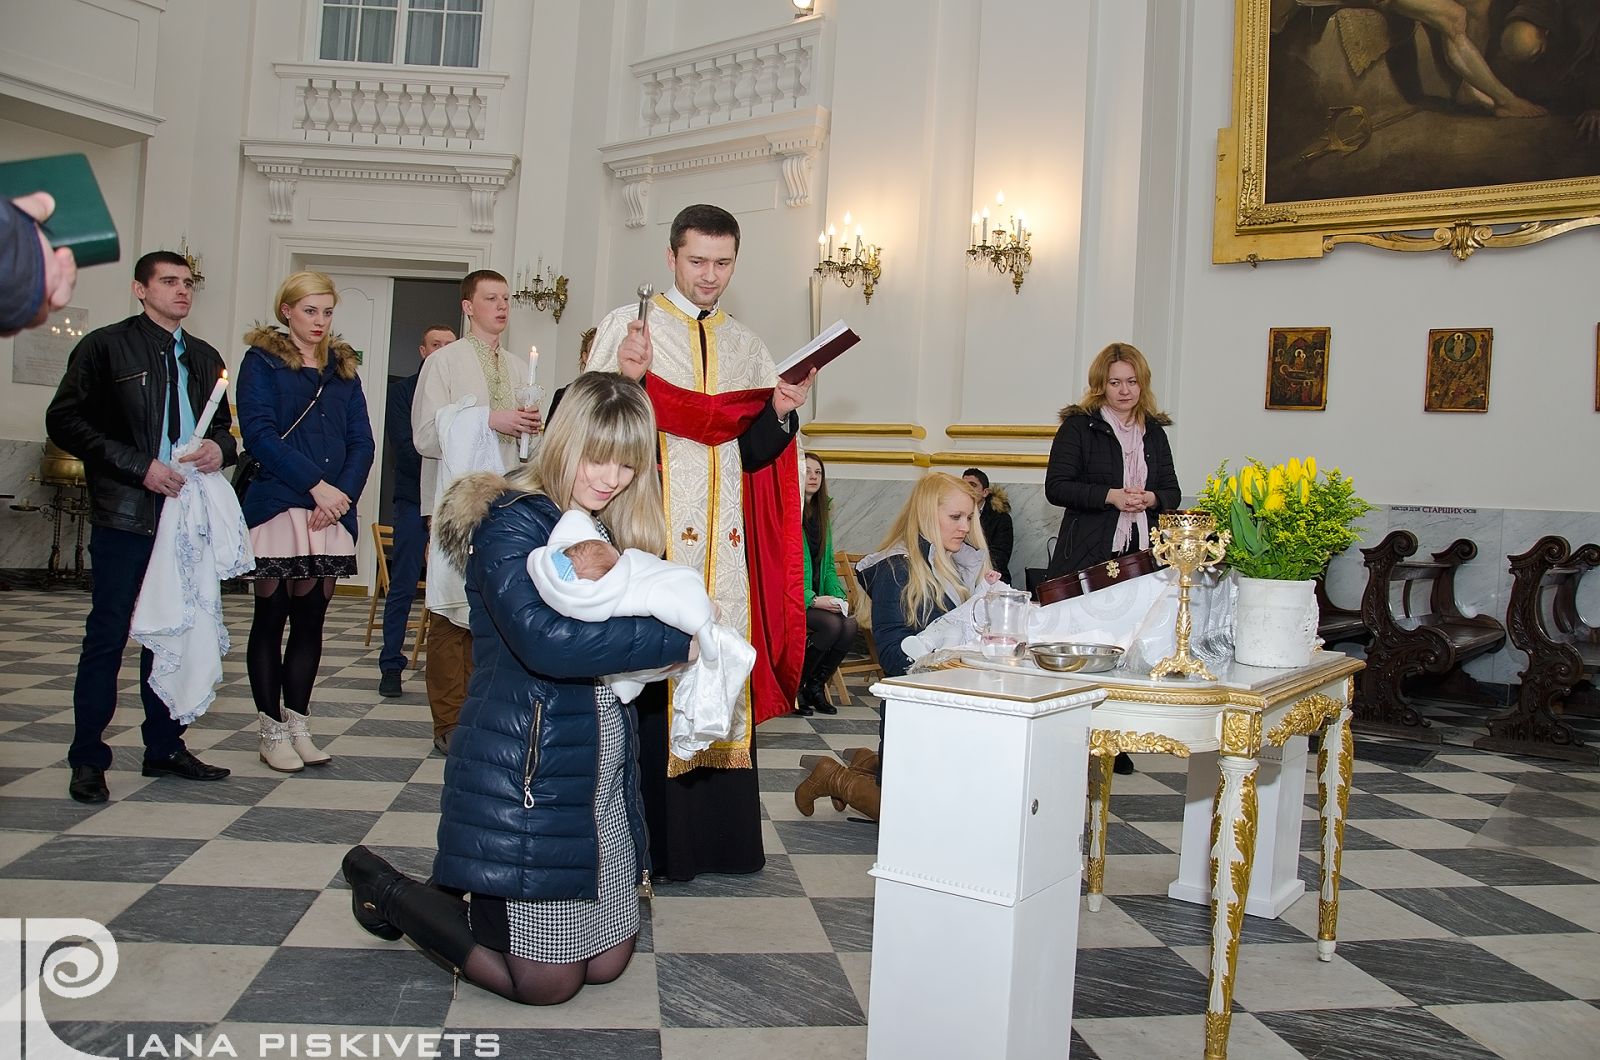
583 577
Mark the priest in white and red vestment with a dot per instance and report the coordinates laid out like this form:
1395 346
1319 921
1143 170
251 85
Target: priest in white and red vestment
730 478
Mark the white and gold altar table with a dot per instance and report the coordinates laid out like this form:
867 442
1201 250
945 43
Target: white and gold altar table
1243 736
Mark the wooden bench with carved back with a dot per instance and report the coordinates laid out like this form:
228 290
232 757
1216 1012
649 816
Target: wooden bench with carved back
1543 620
1335 624
1427 636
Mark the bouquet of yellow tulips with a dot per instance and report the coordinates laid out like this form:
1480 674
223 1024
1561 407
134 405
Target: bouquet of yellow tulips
1287 520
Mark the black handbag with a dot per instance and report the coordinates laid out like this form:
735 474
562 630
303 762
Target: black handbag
249 468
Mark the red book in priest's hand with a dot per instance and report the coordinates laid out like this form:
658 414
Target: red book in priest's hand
830 343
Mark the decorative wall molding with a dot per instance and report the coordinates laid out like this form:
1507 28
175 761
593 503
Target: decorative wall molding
483 174
792 139
394 106
64 111
864 430
1000 430
976 459
757 74
900 457
637 193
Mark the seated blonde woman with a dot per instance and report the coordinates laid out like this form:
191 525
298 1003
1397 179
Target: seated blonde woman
933 559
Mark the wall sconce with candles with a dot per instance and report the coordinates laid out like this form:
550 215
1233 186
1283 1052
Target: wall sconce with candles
1009 251
193 260
540 288
855 261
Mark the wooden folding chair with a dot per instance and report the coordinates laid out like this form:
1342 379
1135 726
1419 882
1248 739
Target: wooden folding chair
844 563
383 546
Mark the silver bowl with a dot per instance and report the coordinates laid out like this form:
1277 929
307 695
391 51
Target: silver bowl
1067 658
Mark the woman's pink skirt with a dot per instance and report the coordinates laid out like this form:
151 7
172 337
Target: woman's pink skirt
287 547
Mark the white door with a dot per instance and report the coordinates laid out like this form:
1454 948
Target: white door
366 302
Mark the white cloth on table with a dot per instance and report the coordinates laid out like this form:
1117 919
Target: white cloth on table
200 540
468 445
1137 614
642 585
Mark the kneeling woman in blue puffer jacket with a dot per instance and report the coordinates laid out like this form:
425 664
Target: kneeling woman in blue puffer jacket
540 819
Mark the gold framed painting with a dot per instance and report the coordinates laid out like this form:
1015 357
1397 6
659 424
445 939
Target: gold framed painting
1458 370
1356 121
1297 369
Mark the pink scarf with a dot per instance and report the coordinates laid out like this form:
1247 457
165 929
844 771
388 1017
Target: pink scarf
1134 472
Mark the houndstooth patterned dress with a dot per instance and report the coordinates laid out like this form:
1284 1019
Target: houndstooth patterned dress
574 929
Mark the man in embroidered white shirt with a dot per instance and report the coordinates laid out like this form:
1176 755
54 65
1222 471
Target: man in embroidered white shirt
475 366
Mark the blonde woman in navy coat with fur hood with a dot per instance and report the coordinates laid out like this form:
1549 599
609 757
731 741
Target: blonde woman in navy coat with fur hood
541 818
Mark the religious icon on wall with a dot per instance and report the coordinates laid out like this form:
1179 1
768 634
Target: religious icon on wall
1458 370
1297 369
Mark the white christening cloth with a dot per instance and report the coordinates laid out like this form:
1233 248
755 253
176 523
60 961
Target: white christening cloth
642 585
467 444
200 540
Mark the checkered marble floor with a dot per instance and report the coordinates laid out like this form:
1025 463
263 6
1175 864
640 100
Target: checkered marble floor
1469 928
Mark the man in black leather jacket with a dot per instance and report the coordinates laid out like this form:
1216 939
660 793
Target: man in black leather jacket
131 392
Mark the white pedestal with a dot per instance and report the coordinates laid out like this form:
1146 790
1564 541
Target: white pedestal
975 923
1275 883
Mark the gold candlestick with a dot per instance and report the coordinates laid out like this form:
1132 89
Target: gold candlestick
1189 541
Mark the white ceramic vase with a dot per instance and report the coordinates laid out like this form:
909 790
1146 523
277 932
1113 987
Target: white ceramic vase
1275 622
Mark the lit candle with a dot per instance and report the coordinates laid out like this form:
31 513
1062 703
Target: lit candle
831 234
822 247
985 223
210 410
858 241
974 229
1000 198
1022 226
525 442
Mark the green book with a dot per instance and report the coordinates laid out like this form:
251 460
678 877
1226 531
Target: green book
81 221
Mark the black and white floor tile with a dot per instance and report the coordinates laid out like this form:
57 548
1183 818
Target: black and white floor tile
1470 923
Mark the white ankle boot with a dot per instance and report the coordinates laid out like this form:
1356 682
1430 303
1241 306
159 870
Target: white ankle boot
277 750
300 736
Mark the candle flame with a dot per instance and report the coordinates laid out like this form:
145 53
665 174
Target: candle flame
847 218
1000 197
224 375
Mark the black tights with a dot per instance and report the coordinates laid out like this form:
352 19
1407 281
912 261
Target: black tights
538 983
279 674
829 636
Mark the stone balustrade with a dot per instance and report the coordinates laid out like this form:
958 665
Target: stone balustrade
751 76
361 104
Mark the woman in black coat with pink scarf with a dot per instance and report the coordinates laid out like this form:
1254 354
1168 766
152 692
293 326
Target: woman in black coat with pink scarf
1110 465
1110 468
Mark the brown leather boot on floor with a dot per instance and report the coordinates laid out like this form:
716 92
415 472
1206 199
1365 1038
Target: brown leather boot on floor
857 790
863 760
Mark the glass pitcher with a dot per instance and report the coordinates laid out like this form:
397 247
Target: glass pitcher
1002 620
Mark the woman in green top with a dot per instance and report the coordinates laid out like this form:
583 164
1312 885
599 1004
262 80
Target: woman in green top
829 631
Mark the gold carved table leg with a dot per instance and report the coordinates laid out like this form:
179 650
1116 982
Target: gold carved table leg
1334 765
1100 772
1233 847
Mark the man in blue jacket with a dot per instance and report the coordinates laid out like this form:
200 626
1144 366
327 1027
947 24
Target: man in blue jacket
130 394
410 532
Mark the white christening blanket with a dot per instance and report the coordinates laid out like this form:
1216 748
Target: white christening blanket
643 585
201 540
467 444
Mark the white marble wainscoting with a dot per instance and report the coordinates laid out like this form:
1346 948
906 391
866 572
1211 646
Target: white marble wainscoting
863 509
25 536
